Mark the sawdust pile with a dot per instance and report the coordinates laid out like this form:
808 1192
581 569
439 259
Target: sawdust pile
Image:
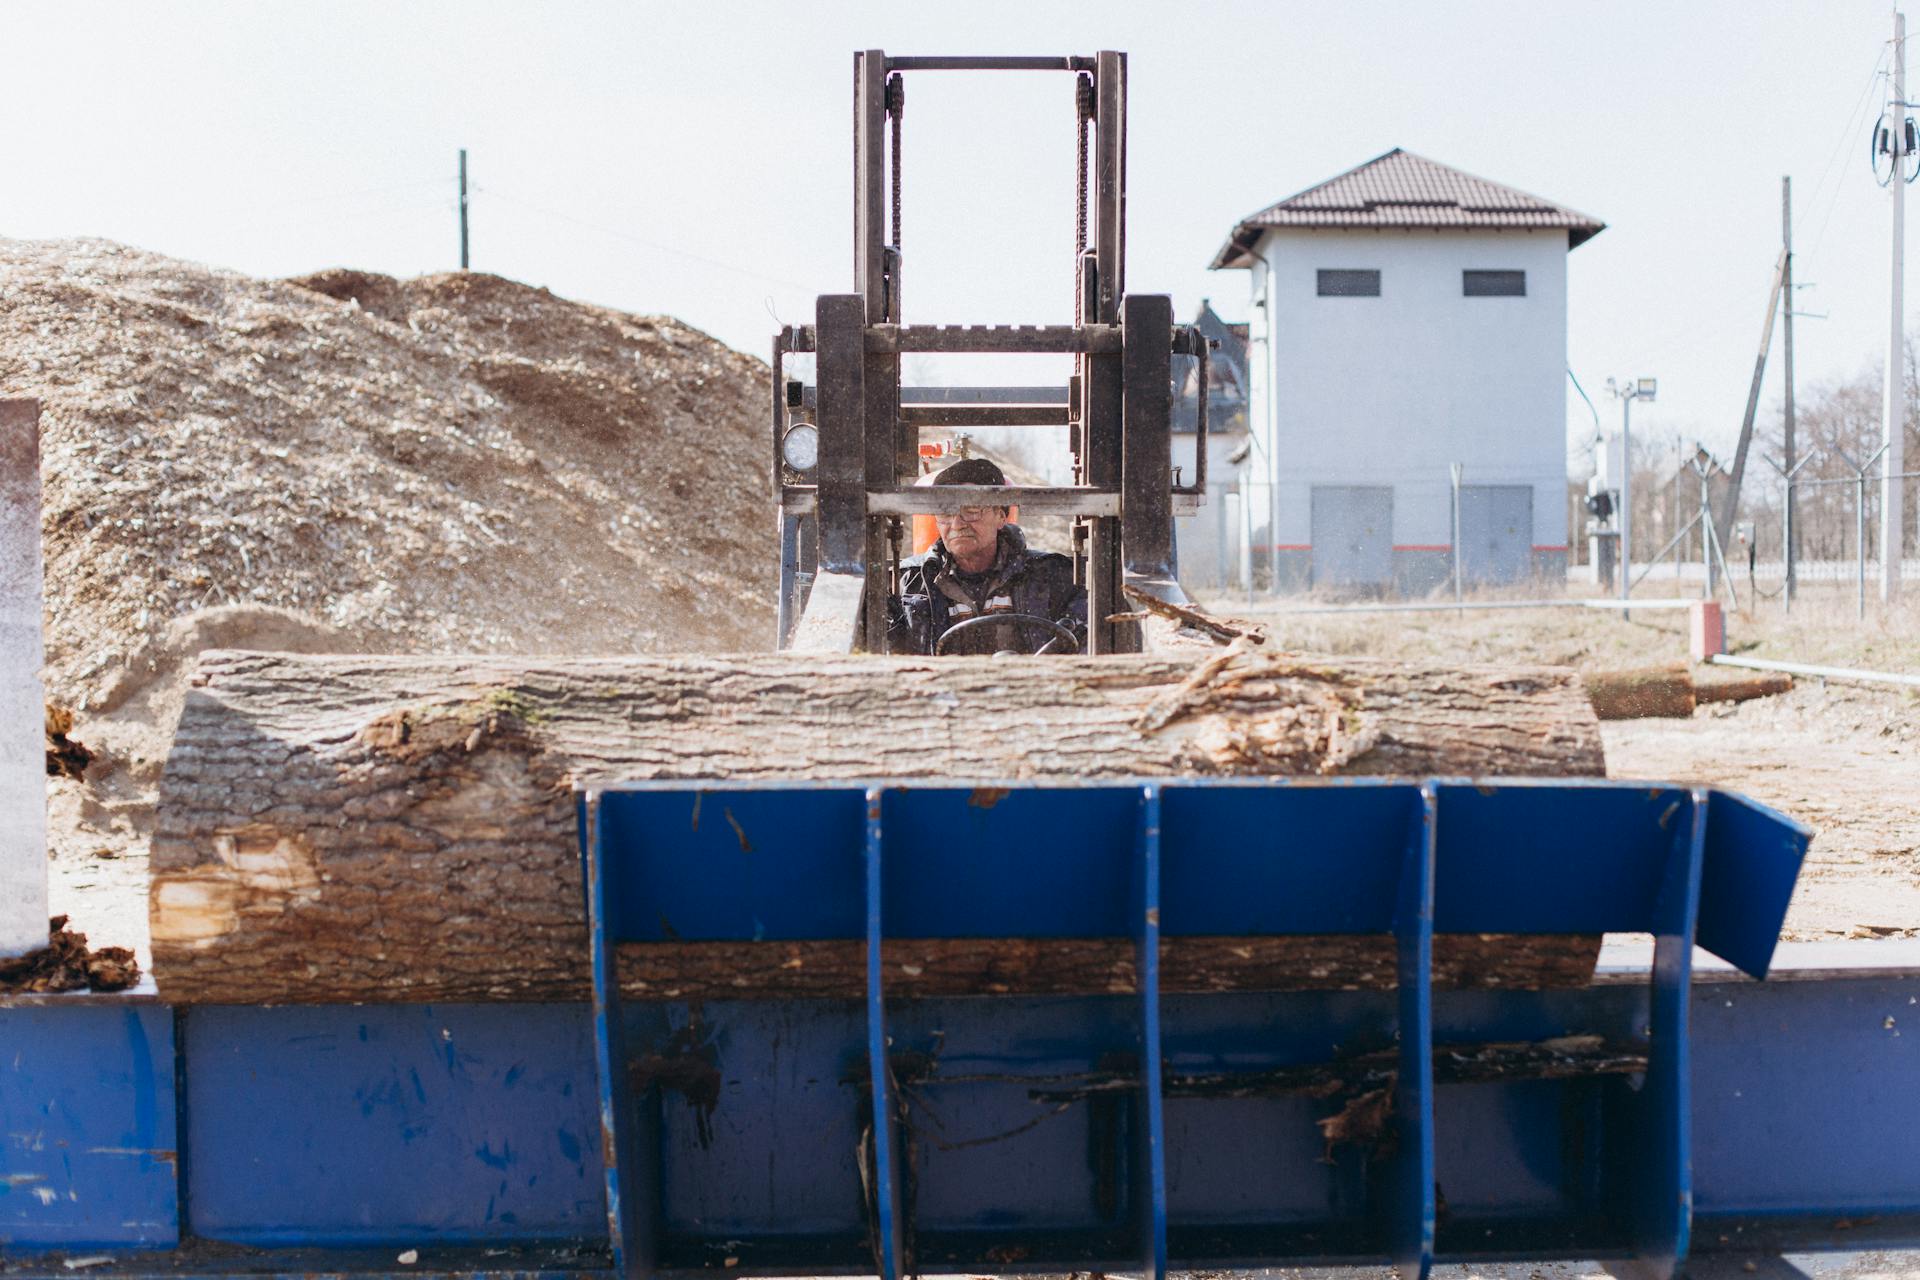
349 462
453 463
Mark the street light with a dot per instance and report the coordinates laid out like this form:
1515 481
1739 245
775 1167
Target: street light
1635 389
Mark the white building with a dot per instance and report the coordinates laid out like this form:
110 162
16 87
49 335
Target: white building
1211 544
1406 317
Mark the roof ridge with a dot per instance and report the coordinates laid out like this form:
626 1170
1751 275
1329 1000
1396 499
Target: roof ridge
1505 186
1307 191
1402 188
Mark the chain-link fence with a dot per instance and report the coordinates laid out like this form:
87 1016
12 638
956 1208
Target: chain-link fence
1835 522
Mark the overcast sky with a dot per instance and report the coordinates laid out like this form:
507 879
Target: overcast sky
694 159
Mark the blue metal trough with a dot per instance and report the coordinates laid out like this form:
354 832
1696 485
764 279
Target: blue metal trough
1650 1115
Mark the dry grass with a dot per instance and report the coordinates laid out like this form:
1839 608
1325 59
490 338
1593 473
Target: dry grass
1820 629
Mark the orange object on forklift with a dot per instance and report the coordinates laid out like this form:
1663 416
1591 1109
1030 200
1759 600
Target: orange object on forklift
925 533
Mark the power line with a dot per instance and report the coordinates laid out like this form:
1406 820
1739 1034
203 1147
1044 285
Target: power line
1846 137
307 201
438 204
1848 133
639 240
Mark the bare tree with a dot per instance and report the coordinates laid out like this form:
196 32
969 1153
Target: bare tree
1836 419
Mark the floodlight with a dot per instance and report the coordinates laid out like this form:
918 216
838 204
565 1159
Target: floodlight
801 446
1645 387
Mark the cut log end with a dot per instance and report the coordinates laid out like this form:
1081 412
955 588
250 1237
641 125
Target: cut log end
1645 693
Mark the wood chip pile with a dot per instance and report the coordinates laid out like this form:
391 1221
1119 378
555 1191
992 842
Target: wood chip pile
352 463
453 463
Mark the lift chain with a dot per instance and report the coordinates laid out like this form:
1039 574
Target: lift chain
1083 99
896 108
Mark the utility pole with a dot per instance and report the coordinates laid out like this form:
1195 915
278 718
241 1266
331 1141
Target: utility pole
1635 389
1724 525
1893 409
1786 356
463 208
1626 498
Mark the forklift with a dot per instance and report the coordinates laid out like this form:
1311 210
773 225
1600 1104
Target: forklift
846 449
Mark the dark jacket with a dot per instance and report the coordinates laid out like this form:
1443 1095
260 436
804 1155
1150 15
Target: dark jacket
934 595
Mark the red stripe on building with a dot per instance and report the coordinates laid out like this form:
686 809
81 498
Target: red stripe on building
1292 546
1561 547
1418 547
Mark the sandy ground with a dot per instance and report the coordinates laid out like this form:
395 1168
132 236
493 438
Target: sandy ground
1842 758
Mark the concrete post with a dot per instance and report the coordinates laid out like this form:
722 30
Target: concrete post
1706 629
23 752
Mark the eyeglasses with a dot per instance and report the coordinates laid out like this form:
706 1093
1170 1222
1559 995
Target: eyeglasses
972 515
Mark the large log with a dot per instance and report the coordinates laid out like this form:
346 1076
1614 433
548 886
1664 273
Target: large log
347 828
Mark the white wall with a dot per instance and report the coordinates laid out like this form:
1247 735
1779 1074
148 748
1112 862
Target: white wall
1390 390
1209 540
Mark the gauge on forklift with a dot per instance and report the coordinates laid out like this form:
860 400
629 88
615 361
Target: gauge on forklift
801 446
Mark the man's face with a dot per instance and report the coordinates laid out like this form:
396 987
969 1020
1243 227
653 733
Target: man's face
969 530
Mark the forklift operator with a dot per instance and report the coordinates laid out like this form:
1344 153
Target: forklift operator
982 568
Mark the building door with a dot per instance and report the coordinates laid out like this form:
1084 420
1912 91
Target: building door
1352 535
1496 532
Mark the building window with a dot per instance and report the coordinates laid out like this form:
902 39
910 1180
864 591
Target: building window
1345 283
1493 284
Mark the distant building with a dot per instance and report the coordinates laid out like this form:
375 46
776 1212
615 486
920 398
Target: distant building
1211 541
1407 316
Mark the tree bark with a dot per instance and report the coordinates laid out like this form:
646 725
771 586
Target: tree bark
1671 692
344 828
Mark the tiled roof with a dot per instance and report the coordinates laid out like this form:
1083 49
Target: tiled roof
1400 189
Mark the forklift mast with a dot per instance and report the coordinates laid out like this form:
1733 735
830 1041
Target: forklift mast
845 450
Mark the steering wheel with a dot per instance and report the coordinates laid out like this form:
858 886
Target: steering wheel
1060 631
